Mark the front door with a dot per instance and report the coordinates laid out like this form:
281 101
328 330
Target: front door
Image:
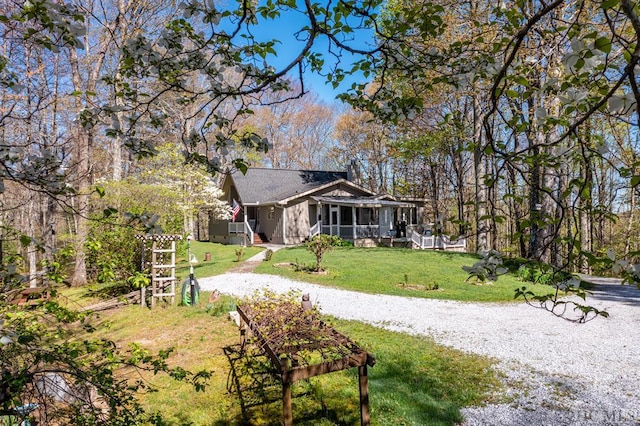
334 220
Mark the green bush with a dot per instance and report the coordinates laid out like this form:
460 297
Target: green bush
321 244
268 254
222 306
239 254
113 252
540 273
344 243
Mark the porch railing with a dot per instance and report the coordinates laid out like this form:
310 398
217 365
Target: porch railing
315 229
242 228
417 239
367 231
347 231
442 242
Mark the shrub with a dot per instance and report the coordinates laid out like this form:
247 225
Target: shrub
344 243
321 244
267 255
221 306
239 254
487 269
541 273
113 252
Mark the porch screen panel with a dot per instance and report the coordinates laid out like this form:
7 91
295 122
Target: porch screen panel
325 214
367 216
346 215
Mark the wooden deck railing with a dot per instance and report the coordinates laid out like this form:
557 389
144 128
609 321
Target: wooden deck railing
242 228
441 242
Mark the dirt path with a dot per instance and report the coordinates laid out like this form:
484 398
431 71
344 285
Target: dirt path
250 264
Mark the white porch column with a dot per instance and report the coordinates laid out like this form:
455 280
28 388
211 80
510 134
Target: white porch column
384 221
353 221
284 225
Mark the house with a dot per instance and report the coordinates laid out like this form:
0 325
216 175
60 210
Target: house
289 206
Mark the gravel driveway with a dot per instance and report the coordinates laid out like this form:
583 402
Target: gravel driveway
556 372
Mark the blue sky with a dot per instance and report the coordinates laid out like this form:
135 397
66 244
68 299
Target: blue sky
284 28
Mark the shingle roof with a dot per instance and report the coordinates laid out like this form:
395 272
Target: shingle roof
271 185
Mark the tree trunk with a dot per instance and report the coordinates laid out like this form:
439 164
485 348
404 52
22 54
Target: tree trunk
585 208
535 238
480 171
630 222
82 207
32 253
118 141
83 136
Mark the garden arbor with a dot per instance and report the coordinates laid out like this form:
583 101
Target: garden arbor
158 256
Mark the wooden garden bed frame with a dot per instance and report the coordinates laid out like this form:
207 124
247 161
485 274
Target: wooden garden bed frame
324 336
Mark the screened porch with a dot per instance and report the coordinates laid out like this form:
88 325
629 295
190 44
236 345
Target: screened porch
354 218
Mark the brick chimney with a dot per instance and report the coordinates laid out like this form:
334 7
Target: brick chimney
353 172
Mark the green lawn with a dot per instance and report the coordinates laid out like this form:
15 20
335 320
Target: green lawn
414 382
223 258
397 271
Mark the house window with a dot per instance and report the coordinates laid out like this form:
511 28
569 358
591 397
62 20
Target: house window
272 213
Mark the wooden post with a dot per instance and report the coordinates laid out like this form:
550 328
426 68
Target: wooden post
287 410
172 271
143 266
363 380
154 282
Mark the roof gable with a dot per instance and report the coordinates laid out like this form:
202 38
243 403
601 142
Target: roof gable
341 184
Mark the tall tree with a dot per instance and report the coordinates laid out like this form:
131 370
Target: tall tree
361 138
299 131
541 79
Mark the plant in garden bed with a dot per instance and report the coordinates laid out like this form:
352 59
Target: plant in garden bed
267 255
405 284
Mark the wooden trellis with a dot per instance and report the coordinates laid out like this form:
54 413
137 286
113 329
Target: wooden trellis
159 258
301 346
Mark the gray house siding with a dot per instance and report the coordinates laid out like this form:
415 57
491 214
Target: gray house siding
296 223
218 231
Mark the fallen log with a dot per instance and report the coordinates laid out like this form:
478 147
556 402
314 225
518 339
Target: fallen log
115 302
